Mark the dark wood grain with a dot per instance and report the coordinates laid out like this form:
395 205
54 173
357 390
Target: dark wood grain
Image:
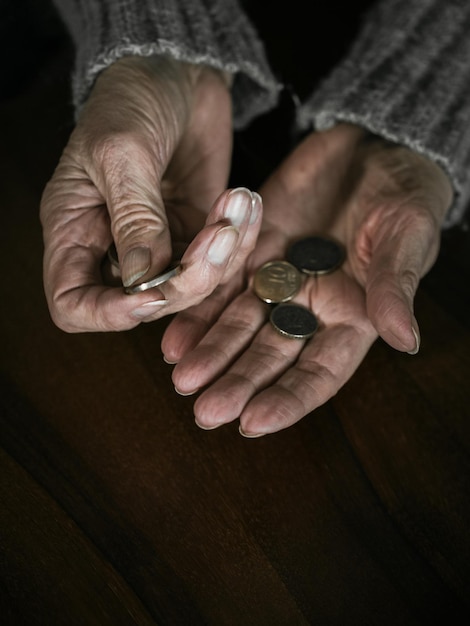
116 509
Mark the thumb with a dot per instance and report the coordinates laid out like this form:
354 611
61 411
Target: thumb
138 218
399 259
390 298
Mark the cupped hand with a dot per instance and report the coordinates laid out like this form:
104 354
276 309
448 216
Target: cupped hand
146 167
386 205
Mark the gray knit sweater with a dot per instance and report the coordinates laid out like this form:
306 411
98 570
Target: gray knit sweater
406 77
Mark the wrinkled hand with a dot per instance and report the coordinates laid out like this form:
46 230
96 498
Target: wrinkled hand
149 157
386 204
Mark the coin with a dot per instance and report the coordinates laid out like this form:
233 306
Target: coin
294 321
316 255
172 270
277 281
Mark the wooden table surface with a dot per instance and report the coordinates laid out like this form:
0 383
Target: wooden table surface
115 509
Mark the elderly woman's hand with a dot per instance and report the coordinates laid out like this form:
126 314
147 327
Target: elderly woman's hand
386 204
146 167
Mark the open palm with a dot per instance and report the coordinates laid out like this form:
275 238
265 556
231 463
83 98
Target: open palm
386 205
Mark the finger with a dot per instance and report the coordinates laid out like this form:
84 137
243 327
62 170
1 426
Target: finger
190 325
390 305
205 262
127 135
201 273
242 209
74 283
401 256
326 363
78 302
231 333
270 392
76 235
248 239
260 365
128 176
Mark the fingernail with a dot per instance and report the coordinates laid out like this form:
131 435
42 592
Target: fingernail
206 427
168 361
135 264
249 435
418 341
238 205
187 393
222 245
144 310
256 208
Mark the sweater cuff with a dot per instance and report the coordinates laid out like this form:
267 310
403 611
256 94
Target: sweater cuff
215 33
407 79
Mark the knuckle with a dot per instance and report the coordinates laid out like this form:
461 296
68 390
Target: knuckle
62 315
409 280
109 149
135 221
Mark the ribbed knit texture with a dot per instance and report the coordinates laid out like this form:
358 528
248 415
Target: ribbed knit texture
407 78
211 32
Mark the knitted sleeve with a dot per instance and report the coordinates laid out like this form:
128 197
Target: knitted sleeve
212 32
407 79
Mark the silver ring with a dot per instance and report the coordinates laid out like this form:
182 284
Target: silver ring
173 270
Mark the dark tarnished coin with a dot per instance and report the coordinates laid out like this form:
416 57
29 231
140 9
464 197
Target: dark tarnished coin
277 281
316 255
294 321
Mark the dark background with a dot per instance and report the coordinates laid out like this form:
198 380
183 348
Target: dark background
115 509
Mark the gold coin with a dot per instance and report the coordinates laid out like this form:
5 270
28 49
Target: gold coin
277 281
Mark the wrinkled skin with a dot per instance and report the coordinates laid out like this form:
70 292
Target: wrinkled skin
386 204
146 166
